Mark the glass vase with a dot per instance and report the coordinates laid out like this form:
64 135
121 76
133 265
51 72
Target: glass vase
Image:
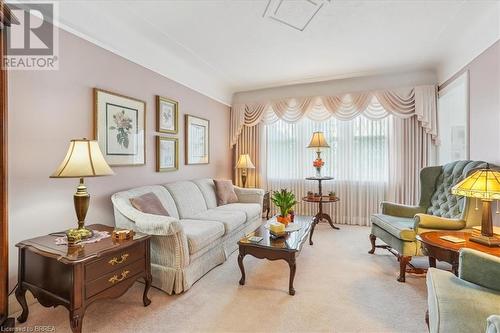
318 172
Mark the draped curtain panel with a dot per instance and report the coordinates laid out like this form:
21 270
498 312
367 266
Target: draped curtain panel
249 143
418 101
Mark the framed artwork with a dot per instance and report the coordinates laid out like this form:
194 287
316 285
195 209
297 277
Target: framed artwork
167 111
120 127
197 140
167 154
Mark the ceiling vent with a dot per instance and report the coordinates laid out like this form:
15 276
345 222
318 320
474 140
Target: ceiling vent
296 14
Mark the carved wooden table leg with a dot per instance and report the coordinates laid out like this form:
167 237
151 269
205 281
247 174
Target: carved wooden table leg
242 269
432 262
313 225
76 319
291 263
147 279
21 298
329 219
373 238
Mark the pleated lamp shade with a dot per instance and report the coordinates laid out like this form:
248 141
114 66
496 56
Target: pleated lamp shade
244 162
83 159
482 184
318 141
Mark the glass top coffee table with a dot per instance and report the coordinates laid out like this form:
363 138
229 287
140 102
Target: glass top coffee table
283 248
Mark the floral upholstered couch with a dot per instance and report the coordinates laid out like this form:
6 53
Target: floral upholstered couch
196 236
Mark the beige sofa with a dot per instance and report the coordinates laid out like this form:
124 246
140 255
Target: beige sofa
197 236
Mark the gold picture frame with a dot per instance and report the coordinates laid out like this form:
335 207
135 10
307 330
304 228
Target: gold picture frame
197 140
163 163
120 128
165 122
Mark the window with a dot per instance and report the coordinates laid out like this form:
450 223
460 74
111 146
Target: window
358 149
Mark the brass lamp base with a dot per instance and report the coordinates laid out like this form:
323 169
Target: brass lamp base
486 240
81 200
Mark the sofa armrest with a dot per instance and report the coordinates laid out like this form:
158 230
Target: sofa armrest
479 268
150 224
249 195
493 324
427 221
393 209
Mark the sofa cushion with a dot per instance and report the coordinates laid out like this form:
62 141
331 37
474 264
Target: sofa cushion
224 190
251 210
187 197
400 227
149 203
201 234
231 219
207 188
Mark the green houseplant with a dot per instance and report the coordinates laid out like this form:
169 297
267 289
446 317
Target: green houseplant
284 200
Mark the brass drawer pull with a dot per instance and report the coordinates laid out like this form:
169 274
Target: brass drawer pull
116 261
114 279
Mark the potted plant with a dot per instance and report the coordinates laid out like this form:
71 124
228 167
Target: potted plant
284 200
310 194
332 195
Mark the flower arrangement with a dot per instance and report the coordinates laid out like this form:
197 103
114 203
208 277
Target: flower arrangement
318 164
284 200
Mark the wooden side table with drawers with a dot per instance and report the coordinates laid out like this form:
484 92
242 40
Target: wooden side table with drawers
76 276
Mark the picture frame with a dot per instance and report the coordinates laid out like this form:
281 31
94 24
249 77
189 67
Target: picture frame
120 128
197 143
167 154
167 115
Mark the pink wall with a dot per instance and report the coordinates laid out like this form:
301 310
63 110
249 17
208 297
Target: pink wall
484 73
48 108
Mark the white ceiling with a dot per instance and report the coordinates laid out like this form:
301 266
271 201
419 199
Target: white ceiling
219 47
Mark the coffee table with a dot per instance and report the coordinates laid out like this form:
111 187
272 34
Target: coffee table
443 250
285 248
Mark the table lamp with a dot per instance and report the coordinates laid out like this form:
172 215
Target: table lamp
83 159
482 184
244 163
318 141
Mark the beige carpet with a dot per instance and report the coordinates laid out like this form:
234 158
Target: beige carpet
340 288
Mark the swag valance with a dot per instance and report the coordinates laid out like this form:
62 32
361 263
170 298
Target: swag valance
418 101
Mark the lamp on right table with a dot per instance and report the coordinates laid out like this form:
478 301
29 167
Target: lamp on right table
318 141
482 184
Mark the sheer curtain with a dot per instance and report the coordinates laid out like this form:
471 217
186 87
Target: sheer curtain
358 160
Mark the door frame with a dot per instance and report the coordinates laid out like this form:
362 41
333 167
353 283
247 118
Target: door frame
6 19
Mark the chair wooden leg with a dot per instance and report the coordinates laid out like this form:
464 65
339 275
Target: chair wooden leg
373 238
403 262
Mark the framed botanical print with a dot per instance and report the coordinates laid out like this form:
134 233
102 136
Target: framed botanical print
197 140
167 154
167 111
120 127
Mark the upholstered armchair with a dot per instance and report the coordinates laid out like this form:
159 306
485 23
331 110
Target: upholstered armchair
469 302
398 225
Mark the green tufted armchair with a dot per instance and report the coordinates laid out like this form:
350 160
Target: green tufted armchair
398 225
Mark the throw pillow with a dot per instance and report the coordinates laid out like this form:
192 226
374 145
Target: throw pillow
149 203
224 190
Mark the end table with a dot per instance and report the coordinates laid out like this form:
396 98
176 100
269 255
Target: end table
320 200
76 276
439 249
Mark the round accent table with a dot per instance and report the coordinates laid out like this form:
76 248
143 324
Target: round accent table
320 200
443 250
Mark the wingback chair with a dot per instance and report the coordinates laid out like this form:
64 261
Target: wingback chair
438 209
